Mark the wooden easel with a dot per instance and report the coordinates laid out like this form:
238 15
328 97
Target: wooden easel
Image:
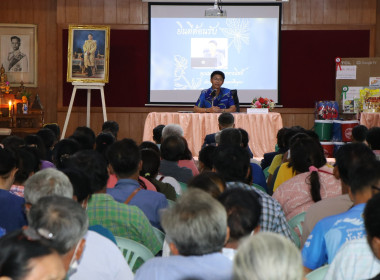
89 87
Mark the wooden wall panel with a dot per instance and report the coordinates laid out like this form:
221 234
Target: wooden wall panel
110 11
84 12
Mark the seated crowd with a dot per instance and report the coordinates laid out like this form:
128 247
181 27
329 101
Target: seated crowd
66 207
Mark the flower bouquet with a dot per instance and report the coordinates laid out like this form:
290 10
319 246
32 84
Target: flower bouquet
262 102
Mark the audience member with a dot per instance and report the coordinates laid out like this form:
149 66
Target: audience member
149 145
85 136
111 127
171 130
157 134
149 170
63 150
356 260
125 161
103 141
35 142
13 142
172 148
225 120
314 180
101 259
346 157
359 133
12 216
121 219
49 139
373 140
210 182
28 164
243 216
279 150
28 255
267 256
196 229
206 158
330 233
187 160
232 163
245 141
55 128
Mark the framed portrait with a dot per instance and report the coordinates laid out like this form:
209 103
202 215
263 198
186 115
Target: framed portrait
18 53
88 53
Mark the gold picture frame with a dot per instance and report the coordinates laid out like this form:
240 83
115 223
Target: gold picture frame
88 53
18 53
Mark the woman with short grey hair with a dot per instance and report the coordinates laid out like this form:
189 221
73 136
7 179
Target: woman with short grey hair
267 256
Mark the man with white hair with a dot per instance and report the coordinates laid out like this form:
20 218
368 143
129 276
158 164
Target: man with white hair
172 130
196 229
101 259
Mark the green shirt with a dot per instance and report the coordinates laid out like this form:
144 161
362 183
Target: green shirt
122 220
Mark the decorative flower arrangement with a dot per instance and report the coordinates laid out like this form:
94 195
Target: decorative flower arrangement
262 102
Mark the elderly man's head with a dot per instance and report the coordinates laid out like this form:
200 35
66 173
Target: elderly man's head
172 130
47 182
195 225
63 221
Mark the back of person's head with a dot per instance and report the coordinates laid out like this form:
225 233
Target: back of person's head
103 141
124 157
232 163
373 138
47 182
288 134
187 155
111 127
306 153
226 120
280 139
372 223
85 137
206 158
36 142
13 142
21 251
48 137
150 163
243 212
63 218
230 137
94 165
196 224
7 162
363 176
157 133
359 133
80 182
63 150
149 145
209 182
55 128
171 130
172 148
349 155
267 256
244 137
28 164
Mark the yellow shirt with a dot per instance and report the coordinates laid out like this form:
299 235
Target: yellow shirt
284 173
276 161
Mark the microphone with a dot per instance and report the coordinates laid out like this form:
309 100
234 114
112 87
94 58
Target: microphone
213 94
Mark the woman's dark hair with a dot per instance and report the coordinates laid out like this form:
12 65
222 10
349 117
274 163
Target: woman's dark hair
150 163
85 137
208 182
36 142
373 138
306 152
103 141
206 156
7 162
28 162
48 137
55 128
149 145
187 155
63 150
17 251
244 137
13 142
80 181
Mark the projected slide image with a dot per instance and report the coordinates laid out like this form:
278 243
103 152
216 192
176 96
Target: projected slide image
209 53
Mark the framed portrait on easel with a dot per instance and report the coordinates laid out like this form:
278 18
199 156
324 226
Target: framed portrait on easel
88 53
18 53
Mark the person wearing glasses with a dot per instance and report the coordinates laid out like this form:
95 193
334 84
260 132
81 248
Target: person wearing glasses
216 99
